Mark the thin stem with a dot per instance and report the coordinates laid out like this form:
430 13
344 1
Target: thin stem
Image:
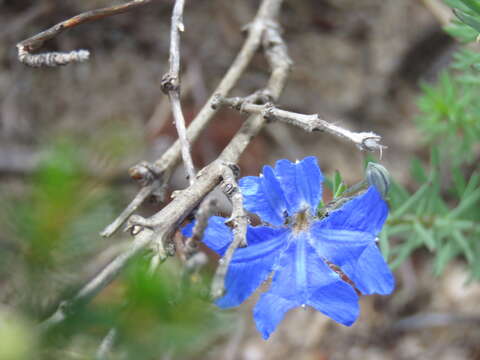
106 346
161 225
171 86
33 43
368 141
205 210
171 157
98 282
239 220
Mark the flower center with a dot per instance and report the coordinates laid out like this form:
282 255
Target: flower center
302 221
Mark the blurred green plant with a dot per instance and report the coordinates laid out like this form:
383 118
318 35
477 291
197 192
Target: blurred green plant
443 214
51 231
154 315
467 27
449 107
52 225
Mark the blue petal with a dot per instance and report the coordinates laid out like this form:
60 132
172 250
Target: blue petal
370 273
217 235
357 255
338 246
302 278
263 196
301 183
269 312
253 264
366 212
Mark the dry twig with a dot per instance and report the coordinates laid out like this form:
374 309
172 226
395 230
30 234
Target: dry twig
205 210
26 47
156 231
105 347
171 86
239 220
162 168
368 141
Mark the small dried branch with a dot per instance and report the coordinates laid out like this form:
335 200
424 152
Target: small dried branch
171 86
239 220
157 230
105 347
98 282
26 47
52 59
205 210
164 165
367 141
440 11
144 174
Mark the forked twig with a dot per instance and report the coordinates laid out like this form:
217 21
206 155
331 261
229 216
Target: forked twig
239 220
368 141
26 47
164 165
161 225
171 86
205 211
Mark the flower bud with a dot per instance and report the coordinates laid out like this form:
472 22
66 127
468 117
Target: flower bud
378 176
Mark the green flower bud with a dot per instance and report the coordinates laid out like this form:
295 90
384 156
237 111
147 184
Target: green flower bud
379 177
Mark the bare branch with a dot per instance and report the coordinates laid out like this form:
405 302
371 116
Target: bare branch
52 59
98 282
239 220
170 158
26 47
171 86
151 183
205 210
158 229
368 141
440 11
106 346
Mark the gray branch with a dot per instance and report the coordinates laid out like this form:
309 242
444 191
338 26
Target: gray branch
205 210
51 59
160 227
239 220
171 86
164 165
98 282
106 346
367 141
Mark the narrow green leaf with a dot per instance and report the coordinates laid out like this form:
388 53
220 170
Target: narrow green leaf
384 244
398 229
426 235
444 255
411 202
465 246
468 19
473 5
465 204
472 184
407 248
458 181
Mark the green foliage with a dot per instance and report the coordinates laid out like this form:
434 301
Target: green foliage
450 111
152 314
53 225
467 27
442 216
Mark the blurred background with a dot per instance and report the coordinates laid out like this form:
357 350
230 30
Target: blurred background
68 136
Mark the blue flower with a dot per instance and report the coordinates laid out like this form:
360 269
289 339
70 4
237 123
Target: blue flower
313 261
